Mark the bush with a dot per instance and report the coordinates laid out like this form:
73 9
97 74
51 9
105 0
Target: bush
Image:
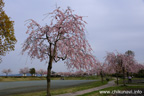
107 79
140 74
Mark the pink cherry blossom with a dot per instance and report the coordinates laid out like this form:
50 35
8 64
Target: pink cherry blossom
7 71
24 71
63 39
121 63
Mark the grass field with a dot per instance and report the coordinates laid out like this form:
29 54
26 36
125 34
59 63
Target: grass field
133 79
112 89
129 87
6 79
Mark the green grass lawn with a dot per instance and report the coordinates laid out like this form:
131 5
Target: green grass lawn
133 79
6 79
112 89
131 86
66 90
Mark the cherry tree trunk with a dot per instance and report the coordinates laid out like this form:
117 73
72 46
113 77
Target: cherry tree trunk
48 76
101 76
124 83
117 79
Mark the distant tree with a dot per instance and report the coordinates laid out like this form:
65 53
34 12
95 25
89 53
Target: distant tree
139 70
95 70
7 38
65 74
113 68
41 72
53 72
32 71
121 63
24 71
141 73
7 71
63 39
79 73
60 73
130 53
101 70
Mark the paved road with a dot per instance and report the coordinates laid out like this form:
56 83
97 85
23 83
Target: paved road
8 88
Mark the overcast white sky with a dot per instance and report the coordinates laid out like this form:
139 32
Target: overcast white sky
112 25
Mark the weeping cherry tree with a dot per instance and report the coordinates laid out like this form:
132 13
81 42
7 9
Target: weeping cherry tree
63 39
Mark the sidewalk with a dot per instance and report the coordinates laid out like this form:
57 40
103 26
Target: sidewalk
111 83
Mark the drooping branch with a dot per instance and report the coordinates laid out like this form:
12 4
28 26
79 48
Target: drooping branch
56 59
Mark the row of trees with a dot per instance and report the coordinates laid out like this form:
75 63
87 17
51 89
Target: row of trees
115 63
32 71
26 70
118 63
